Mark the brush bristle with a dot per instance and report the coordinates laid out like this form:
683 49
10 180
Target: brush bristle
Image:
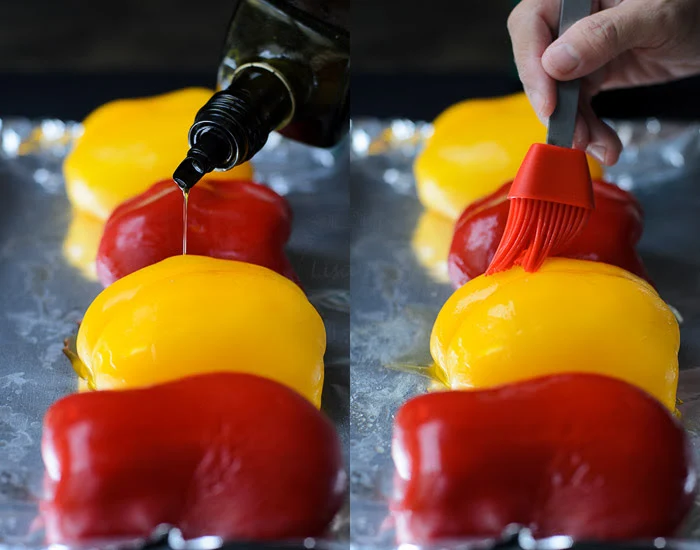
536 230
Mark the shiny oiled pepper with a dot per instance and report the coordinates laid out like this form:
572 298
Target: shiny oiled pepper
81 242
228 219
570 316
130 143
431 243
226 454
476 147
581 455
192 314
610 236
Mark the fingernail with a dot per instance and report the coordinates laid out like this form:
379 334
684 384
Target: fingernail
537 101
563 57
598 152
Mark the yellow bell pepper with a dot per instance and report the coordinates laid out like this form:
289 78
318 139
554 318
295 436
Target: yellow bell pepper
476 147
571 316
128 145
82 241
190 315
431 243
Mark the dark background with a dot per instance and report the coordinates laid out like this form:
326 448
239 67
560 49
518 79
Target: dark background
410 58
64 58
186 35
124 36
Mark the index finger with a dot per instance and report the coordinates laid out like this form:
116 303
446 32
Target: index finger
530 26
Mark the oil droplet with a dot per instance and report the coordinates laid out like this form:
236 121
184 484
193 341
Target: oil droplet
185 201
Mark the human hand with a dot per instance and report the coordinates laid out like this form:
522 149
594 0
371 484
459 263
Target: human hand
624 43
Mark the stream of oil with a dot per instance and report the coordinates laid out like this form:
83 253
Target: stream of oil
185 201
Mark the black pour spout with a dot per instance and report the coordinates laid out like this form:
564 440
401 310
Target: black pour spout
235 123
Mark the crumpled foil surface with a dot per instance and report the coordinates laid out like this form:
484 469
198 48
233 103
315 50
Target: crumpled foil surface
395 299
43 296
393 306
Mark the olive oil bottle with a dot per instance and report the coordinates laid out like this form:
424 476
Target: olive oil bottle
285 68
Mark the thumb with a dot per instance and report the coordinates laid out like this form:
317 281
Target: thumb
595 40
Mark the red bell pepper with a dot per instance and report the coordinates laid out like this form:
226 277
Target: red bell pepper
229 219
582 455
227 454
612 232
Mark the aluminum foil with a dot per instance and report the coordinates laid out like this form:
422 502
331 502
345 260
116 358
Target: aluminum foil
42 296
395 298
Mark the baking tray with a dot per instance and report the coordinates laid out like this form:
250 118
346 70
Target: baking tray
42 297
395 299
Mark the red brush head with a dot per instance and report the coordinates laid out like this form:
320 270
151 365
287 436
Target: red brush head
554 174
551 201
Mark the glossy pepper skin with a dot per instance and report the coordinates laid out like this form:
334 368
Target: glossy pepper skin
226 454
229 219
581 455
431 243
477 146
130 143
610 236
81 242
190 315
570 316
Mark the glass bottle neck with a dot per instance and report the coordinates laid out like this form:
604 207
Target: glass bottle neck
236 122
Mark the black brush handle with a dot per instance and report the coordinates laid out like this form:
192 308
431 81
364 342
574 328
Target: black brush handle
562 123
